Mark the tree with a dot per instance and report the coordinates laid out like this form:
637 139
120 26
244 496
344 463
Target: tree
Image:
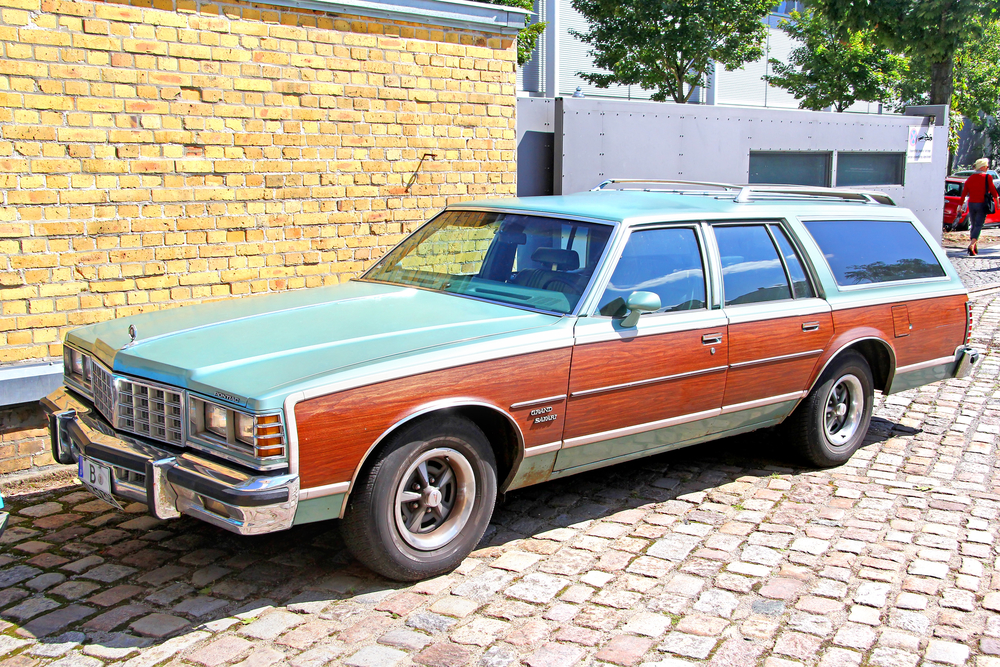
527 37
930 30
668 46
833 69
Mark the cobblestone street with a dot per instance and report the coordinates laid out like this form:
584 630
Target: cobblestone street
724 553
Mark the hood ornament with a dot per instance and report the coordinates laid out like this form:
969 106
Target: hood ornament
131 334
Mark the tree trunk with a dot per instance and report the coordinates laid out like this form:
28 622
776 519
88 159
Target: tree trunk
941 81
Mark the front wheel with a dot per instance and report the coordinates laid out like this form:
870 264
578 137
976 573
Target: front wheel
831 423
424 504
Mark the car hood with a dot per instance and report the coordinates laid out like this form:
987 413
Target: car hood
271 345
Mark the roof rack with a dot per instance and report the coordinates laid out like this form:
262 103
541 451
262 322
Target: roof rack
747 193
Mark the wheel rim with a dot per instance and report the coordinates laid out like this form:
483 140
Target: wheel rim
845 407
435 498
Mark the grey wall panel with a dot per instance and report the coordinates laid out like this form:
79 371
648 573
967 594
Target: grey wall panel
599 139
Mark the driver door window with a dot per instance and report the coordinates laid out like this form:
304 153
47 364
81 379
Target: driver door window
666 262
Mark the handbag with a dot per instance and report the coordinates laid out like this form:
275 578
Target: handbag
988 201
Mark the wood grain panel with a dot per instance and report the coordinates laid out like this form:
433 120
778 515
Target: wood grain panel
618 362
757 341
336 430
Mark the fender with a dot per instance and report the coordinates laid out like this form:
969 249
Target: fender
420 411
844 341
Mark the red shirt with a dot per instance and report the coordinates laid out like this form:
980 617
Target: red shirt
975 188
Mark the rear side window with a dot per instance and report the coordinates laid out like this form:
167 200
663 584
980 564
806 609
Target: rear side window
751 269
862 252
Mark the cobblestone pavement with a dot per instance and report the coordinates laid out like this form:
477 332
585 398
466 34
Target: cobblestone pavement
723 553
981 271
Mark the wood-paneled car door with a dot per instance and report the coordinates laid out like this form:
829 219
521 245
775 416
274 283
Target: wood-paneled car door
778 328
651 385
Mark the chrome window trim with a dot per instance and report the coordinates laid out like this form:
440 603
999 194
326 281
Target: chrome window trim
640 383
770 310
537 401
616 226
890 283
783 357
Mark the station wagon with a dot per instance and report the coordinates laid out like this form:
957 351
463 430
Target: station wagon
509 342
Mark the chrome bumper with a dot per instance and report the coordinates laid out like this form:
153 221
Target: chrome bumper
965 359
170 483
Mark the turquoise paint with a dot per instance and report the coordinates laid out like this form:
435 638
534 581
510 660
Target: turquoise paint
678 445
318 509
615 450
904 381
262 349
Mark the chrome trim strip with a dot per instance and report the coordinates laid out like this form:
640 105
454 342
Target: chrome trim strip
896 298
641 383
543 449
940 361
292 431
761 402
325 490
895 283
776 310
783 357
537 401
640 428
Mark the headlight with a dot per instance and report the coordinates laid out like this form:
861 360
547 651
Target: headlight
259 436
77 367
215 419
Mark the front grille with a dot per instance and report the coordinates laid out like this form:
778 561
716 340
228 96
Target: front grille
103 383
137 407
151 411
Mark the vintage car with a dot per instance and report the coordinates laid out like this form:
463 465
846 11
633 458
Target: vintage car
509 342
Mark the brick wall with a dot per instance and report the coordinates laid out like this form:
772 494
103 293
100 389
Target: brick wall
160 153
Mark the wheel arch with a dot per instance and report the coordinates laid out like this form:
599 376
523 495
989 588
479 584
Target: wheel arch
499 427
877 352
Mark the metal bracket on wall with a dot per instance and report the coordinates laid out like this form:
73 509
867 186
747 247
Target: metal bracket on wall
413 177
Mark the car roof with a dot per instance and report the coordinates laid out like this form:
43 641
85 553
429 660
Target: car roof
638 206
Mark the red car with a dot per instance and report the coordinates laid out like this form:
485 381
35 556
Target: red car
952 199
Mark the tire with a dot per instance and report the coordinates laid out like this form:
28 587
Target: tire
399 523
832 422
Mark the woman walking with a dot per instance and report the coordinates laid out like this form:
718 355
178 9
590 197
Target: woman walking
975 191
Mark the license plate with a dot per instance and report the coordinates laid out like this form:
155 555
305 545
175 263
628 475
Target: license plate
97 477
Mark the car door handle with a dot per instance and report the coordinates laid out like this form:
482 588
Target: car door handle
810 326
711 339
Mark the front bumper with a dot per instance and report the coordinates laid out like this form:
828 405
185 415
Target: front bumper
170 481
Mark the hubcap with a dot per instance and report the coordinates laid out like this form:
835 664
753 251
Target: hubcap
435 499
845 406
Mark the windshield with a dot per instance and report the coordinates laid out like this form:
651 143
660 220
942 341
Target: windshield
522 260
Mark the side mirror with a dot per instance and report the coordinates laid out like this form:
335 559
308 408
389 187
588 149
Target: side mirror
637 304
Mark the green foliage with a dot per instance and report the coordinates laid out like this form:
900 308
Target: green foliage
528 36
831 67
931 31
668 46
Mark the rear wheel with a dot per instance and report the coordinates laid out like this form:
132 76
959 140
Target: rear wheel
425 503
831 423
